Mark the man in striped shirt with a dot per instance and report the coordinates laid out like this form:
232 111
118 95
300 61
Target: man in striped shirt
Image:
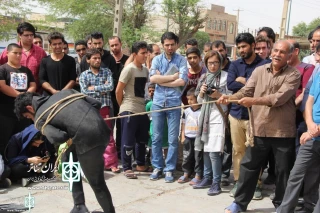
97 83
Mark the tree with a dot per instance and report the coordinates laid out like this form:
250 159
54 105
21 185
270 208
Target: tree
134 20
302 29
97 15
187 15
12 12
87 16
202 38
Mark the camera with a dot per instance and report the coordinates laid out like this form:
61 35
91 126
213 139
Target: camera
209 89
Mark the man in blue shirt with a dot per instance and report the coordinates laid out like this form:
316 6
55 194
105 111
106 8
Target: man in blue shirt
238 74
169 72
306 169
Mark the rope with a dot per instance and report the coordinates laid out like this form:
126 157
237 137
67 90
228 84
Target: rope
165 109
249 142
53 107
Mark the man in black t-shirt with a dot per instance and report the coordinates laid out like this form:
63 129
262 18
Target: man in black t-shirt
58 70
14 79
120 58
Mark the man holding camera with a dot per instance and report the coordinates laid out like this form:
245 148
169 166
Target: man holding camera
238 74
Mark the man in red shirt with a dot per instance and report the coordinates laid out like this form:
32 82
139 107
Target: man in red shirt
31 54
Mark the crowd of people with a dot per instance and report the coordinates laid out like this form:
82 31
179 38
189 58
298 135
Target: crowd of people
207 114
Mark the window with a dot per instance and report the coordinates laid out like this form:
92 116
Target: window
219 25
231 28
223 28
209 24
214 25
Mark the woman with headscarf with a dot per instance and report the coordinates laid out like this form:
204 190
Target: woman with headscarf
211 130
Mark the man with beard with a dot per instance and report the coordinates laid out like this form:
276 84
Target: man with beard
107 60
238 74
220 47
120 58
270 93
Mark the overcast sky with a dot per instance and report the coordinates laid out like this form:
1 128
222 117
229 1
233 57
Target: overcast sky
257 13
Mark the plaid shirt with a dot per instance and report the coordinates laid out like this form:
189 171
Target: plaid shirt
102 82
32 61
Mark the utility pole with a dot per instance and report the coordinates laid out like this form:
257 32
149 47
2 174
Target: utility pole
238 17
118 10
284 19
289 17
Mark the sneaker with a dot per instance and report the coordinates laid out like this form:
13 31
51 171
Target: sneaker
25 182
80 209
234 189
205 183
257 193
303 210
3 191
214 189
156 174
272 196
271 179
225 181
6 183
169 177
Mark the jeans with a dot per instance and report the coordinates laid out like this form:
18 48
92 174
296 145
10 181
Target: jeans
212 166
308 158
173 120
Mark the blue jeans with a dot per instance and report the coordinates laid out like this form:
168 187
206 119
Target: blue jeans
212 166
173 120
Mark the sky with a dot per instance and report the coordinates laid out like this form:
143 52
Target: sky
257 13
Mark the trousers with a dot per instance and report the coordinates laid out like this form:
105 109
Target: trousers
92 164
253 160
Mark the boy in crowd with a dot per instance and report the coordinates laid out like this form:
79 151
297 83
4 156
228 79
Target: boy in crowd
14 79
130 97
192 160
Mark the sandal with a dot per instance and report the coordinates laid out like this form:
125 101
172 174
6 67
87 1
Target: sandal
130 174
146 169
115 170
233 208
183 179
194 181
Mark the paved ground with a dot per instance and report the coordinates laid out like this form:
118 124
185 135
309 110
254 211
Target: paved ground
133 196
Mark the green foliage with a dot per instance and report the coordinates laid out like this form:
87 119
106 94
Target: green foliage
302 29
13 12
186 15
84 16
202 38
